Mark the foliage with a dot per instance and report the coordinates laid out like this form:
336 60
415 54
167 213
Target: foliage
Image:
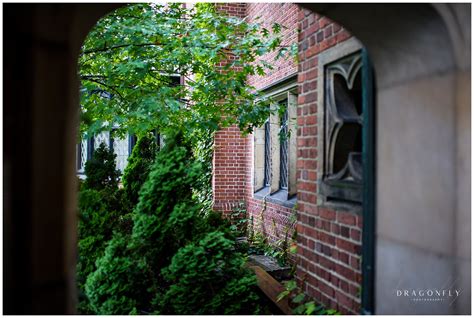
301 304
93 215
155 253
169 230
203 150
100 169
120 285
164 220
138 166
239 219
127 59
102 210
208 277
95 224
282 248
166 216
285 246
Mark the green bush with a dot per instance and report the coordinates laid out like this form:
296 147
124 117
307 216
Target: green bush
100 215
164 220
139 166
102 211
121 282
208 277
99 218
94 224
172 237
166 217
100 169
203 150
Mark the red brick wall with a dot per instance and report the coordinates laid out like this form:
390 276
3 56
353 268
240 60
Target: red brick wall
329 242
233 9
285 14
229 168
274 219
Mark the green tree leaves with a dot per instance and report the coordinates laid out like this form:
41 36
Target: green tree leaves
128 58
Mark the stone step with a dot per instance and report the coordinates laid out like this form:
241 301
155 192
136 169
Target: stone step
271 266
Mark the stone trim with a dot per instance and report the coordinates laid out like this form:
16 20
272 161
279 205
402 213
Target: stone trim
287 92
330 55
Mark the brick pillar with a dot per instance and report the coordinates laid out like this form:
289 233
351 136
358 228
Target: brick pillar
228 178
228 167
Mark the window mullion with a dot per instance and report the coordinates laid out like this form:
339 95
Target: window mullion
275 149
259 155
292 155
283 136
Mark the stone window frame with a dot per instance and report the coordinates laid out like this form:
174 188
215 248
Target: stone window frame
274 193
329 56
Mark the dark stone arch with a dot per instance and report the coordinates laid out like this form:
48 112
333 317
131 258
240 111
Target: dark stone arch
41 43
41 46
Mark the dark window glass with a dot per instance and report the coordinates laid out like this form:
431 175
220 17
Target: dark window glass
267 176
79 151
132 140
284 148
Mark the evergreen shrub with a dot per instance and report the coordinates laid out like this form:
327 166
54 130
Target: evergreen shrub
102 211
208 277
120 284
139 166
177 258
100 169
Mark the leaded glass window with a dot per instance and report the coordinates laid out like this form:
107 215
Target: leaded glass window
84 153
275 148
120 148
102 138
284 148
268 171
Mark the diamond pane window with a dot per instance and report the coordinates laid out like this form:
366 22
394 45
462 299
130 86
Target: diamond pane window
102 138
120 147
284 149
275 148
82 152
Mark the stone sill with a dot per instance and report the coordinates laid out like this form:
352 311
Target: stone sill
279 197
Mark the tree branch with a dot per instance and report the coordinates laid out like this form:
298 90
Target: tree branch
86 77
105 85
110 48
